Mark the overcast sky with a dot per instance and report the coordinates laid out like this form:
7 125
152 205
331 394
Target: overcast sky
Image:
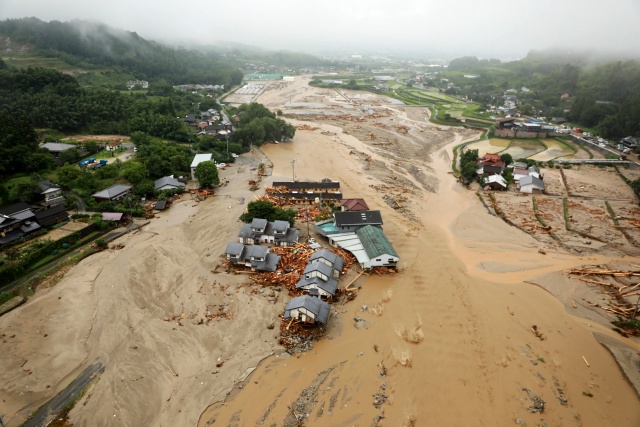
497 28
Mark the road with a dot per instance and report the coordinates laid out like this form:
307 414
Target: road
71 392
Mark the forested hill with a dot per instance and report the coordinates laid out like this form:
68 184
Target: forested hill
90 45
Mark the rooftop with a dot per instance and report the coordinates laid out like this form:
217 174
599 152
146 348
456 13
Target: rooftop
343 219
375 242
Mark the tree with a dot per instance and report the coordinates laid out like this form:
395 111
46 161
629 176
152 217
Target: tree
207 174
506 158
269 211
134 172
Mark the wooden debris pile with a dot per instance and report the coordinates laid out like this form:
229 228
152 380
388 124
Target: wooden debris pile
370 137
293 261
311 213
621 286
306 127
402 129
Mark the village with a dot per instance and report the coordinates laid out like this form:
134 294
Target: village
245 295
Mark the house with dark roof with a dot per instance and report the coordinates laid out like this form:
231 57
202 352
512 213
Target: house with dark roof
350 221
307 309
56 148
260 231
50 194
16 221
318 281
377 247
115 193
252 256
327 257
167 183
51 216
353 205
324 186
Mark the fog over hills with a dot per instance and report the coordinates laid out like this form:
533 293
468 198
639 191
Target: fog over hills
496 28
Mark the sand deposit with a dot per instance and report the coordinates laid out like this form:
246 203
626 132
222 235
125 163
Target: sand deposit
454 338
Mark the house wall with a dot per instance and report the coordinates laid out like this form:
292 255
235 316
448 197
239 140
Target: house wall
323 294
302 314
382 261
530 189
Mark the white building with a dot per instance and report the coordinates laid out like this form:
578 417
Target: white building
199 158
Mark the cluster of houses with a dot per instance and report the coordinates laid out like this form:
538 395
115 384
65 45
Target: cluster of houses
210 122
248 251
320 282
143 84
21 219
528 179
355 228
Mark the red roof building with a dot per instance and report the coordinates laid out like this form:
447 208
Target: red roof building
354 205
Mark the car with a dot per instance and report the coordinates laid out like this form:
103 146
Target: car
135 149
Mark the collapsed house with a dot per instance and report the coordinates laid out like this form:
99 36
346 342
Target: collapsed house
293 193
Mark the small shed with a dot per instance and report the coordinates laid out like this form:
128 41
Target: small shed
112 216
531 185
495 182
307 309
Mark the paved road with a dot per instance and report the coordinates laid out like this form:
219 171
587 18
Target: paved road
72 391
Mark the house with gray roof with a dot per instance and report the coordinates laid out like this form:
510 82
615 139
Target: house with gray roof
168 183
318 281
115 193
50 194
330 259
260 231
531 185
16 221
253 256
307 309
56 148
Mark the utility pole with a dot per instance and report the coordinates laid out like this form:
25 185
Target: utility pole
293 168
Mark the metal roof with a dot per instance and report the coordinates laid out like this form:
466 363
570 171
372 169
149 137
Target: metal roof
336 261
57 147
351 242
167 180
199 158
531 180
112 192
375 242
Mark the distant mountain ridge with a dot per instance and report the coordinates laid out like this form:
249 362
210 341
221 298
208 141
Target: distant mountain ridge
95 45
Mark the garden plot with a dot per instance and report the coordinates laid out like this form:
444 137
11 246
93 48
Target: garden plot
627 216
593 181
518 208
553 184
524 148
555 149
551 210
590 219
630 174
493 145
